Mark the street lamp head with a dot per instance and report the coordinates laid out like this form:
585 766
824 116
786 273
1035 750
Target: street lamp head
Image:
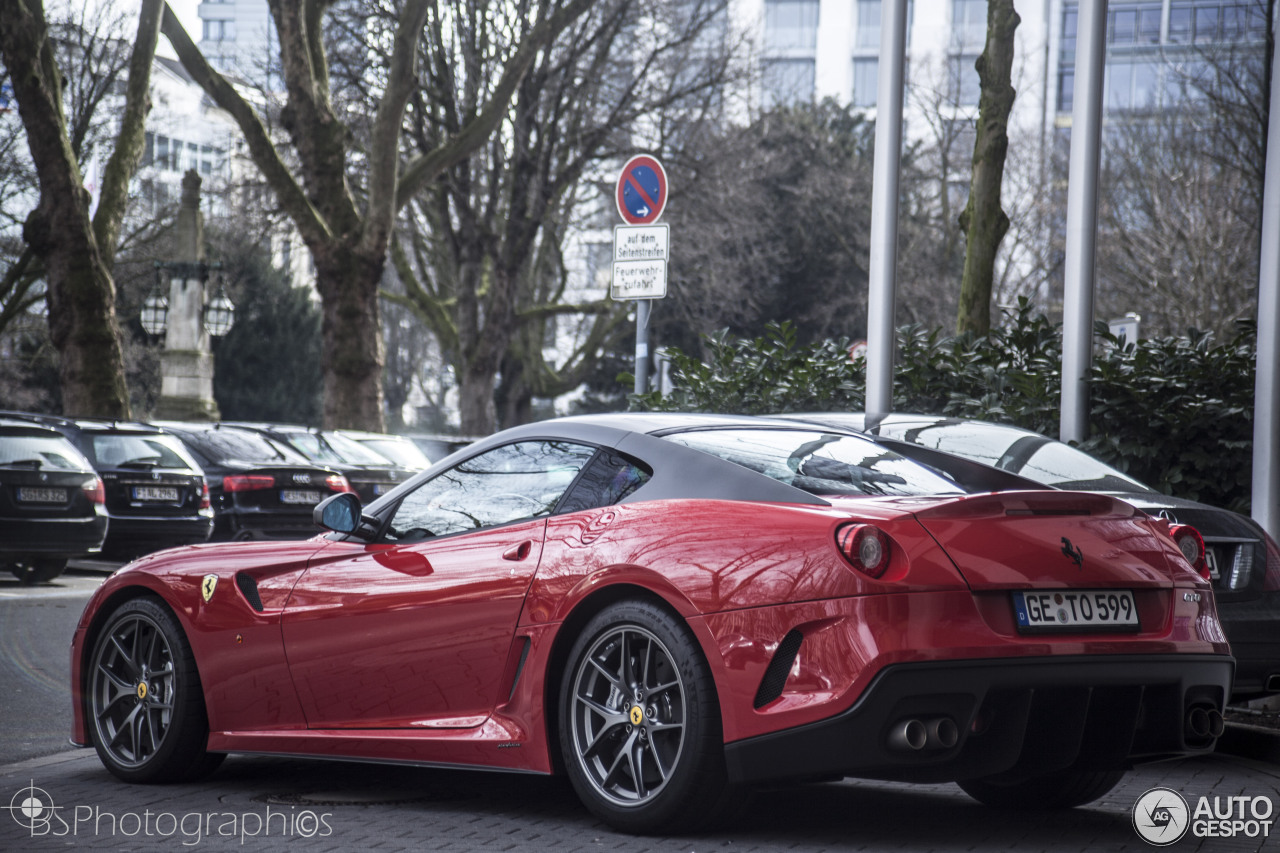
155 309
219 313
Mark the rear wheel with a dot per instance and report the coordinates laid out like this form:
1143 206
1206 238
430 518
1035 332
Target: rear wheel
146 706
38 571
1062 790
640 726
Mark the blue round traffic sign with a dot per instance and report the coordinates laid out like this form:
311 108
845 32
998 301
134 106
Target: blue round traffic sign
642 190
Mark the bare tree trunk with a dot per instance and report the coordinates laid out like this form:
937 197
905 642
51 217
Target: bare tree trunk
351 335
983 220
81 293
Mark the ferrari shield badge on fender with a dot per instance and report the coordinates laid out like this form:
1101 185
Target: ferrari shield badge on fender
208 585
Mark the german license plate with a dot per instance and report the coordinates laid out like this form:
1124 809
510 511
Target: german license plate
30 495
155 493
299 496
1075 610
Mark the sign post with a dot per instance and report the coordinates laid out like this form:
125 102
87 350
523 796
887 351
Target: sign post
641 249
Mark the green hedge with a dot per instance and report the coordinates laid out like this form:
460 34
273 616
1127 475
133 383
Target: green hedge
1176 413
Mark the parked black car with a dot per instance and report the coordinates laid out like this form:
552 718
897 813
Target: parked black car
261 489
371 475
51 502
1244 562
156 494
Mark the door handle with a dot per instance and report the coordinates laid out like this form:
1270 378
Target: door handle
516 553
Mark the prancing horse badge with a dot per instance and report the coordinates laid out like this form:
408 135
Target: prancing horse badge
208 585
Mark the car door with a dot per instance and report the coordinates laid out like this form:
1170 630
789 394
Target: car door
414 629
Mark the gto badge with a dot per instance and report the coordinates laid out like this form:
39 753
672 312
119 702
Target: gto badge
1073 551
208 585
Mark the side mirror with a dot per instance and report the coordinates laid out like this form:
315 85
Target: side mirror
340 513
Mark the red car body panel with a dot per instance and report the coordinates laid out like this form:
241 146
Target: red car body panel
417 652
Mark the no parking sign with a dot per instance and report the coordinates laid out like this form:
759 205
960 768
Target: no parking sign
642 190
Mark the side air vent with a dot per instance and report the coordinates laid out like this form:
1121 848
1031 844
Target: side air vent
249 589
775 676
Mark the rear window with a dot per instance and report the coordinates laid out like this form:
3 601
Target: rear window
40 451
1028 454
400 451
230 443
124 450
821 463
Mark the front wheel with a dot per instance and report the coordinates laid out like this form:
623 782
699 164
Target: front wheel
640 725
146 707
1063 790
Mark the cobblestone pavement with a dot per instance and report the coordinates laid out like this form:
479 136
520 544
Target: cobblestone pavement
261 804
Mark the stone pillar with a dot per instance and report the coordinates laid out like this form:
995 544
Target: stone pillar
186 362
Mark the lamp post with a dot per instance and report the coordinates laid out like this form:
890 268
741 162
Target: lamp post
187 317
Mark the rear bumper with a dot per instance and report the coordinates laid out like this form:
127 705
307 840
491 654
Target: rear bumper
142 535
263 525
67 538
1014 719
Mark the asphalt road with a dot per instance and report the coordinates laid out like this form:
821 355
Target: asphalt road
36 624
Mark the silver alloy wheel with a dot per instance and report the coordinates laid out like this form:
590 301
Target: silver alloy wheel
133 683
628 715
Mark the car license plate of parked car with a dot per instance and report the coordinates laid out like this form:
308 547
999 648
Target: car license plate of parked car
299 496
42 496
155 493
1075 610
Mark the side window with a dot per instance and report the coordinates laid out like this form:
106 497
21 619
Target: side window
509 483
608 479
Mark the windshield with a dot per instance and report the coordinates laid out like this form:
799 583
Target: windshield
356 452
1029 454
40 451
401 451
820 463
123 450
231 443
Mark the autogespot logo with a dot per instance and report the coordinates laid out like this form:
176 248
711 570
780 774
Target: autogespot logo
1161 816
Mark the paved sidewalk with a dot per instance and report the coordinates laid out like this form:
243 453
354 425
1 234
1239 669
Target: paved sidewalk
263 804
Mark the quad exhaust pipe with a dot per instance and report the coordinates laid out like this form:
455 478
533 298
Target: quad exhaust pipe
914 735
1204 723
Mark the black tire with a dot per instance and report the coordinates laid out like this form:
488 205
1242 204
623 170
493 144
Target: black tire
640 727
29 572
1064 790
145 705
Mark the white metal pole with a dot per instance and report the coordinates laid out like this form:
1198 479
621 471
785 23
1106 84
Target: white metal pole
1266 406
643 307
883 263
1082 220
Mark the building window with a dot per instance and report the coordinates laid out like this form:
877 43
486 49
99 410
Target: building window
1066 89
787 81
866 80
969 23
1132 84
868 24
964 86
790 24
216 29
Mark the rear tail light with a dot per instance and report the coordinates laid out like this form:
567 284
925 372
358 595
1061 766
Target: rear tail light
1271 582
1191 545
865 546
338 483
94 491
204 494
247 482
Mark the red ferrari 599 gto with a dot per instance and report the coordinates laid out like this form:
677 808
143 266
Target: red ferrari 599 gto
670 608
